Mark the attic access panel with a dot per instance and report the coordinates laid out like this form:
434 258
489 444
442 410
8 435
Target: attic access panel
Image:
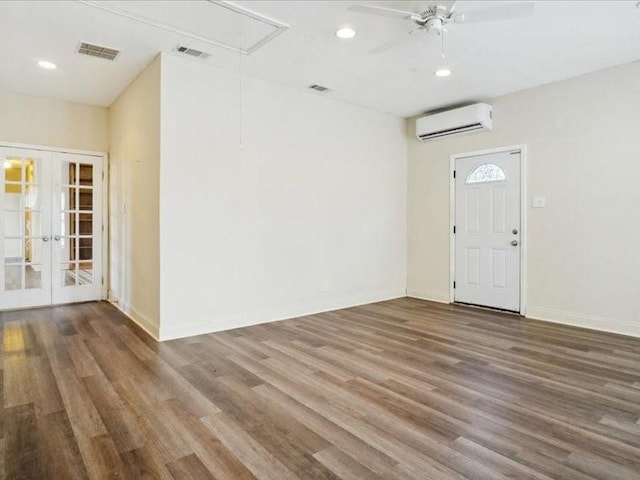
220 23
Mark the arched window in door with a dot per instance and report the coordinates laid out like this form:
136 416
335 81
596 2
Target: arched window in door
487 172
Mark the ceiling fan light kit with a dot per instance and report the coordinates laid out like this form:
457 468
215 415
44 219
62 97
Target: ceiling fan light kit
434 25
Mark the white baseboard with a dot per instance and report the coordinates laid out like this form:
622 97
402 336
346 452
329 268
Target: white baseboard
139 319
585 320
593 322
254 318
430 296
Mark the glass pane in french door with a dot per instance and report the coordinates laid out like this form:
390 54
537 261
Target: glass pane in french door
78 232
24 229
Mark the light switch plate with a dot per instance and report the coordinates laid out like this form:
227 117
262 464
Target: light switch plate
539 201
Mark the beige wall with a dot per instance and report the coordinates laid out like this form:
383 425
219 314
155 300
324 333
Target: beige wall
53 123
134 199
291 204
583 143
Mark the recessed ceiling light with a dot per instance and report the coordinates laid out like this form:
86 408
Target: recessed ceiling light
443 72
7 164
345 32
47 65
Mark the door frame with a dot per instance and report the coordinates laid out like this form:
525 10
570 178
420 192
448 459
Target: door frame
523 217
105 196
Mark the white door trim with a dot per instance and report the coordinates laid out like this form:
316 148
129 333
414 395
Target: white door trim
523 217
105 196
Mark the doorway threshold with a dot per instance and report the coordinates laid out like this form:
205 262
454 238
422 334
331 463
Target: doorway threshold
484 307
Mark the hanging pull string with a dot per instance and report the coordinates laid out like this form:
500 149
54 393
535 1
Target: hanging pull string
240 96
240 86
442 42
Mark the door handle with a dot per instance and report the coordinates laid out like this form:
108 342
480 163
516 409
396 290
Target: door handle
514 243
56 238
45 239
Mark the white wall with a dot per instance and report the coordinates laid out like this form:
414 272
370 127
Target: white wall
134 244
308 215
53 123
584 156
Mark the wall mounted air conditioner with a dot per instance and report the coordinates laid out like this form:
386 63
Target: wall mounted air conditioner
478 117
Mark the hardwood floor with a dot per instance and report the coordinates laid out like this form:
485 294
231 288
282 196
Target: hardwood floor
396 390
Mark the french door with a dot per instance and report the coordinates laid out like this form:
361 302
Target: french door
488 230
50 228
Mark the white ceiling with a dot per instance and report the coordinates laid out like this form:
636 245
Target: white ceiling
562 39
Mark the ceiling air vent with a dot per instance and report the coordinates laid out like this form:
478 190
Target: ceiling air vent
98 51
318 88
192 52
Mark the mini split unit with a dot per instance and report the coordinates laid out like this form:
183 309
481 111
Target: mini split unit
472 118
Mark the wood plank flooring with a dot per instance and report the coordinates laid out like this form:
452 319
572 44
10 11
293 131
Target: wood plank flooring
403 389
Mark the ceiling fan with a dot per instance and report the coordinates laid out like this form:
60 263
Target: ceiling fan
436 18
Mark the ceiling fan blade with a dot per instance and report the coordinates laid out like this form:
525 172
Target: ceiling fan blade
450 5
387 12
507 11
393 42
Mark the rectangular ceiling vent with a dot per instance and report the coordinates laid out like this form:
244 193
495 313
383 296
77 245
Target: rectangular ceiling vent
318 88
98 51
192 52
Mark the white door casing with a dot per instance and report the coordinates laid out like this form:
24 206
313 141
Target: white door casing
51 231
488 230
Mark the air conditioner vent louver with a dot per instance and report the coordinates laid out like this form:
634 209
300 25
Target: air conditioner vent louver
451 131
192 52
318 88
98 51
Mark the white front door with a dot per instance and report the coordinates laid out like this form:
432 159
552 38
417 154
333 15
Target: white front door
488 230
50 228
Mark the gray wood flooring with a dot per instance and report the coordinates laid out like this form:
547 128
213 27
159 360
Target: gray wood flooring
403 389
